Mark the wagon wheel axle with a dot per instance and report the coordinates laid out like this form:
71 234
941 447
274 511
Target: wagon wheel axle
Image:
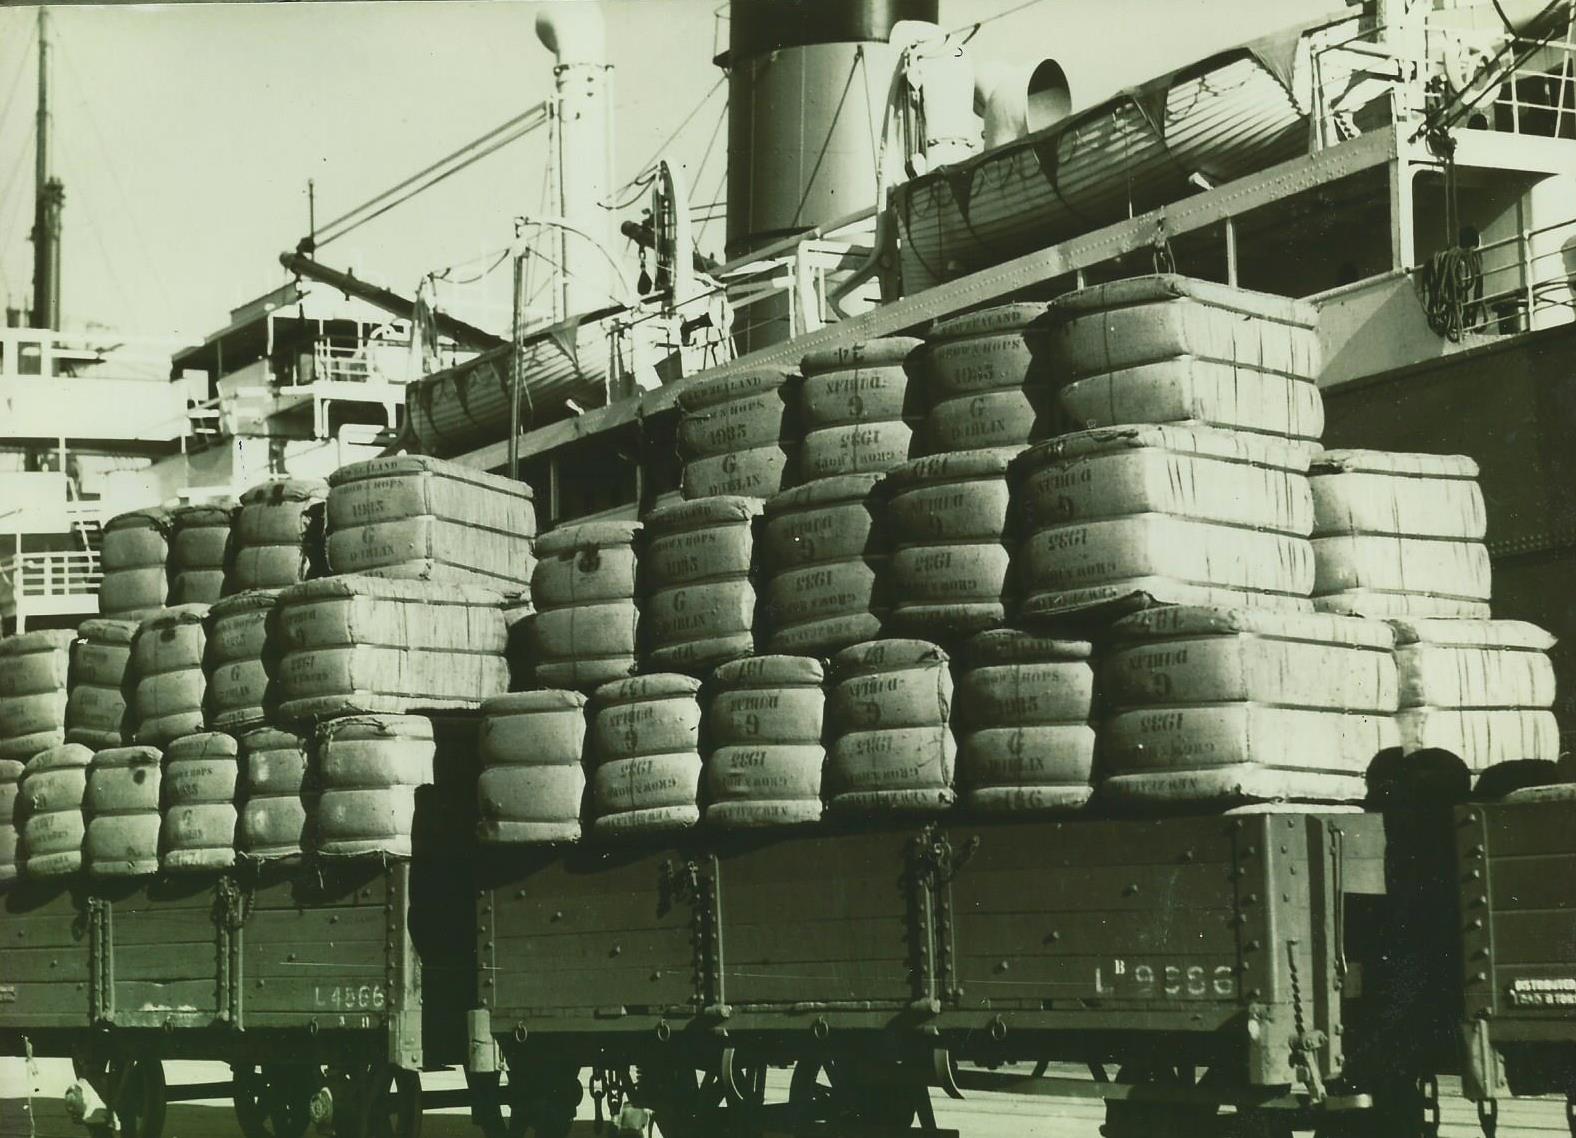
133 1090
275 1100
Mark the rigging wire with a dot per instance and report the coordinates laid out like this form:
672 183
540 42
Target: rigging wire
16 80
978 24
722 180
443 274
474 151
114 176
13 205
645 171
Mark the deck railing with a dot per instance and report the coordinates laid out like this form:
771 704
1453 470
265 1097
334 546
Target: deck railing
1530 284
48 583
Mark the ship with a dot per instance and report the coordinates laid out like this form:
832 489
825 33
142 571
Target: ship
1403 171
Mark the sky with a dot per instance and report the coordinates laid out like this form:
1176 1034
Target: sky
185 134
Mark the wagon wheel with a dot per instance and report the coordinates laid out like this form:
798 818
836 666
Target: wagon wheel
133 1089
274 1101
835 1090
542 1096
1125 1119
488 1098
390 1103
689 1106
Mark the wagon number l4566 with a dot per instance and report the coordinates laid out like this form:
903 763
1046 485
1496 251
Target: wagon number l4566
349 996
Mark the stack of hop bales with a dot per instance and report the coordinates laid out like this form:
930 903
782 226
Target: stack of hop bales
1168 349
275 801
824 551
698 577
136 580
165 676
1399 535
1122 517
1245 705
199 541
1479 689
369 768
277 537
888 718
97 714
763 742
738 433
1024 723
34 668
533 778
583 633
52 827
950 571
859 408
236 661
991 381
122 809
347 645
424 519
645 743
10 831
199 803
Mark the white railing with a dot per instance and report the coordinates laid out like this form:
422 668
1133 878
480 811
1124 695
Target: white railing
1423 69
48 582
54 574
1528 281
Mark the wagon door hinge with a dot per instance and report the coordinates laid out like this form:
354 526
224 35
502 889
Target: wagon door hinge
1305 1044
932 864
101 973
233 906
682 882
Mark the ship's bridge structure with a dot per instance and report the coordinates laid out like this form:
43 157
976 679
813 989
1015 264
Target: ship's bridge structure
299 381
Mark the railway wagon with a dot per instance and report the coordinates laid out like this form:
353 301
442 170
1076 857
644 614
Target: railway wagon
325 984
1516 876
1187 962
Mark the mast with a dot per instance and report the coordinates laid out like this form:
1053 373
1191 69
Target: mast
48 200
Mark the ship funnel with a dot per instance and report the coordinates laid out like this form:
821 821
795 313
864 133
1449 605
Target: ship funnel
807 86
575 34
1019 100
